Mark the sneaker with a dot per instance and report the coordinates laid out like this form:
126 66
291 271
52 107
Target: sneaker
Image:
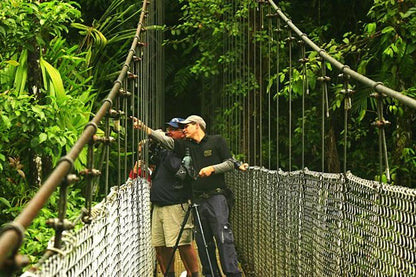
183 274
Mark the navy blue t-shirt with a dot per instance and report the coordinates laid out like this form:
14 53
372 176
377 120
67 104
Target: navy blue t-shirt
162 191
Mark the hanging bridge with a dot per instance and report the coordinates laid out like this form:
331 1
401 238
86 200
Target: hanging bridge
291 217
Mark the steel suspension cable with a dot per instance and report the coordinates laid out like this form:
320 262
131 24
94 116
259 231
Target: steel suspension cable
303 60
261 84
254 113
278 31
347 106
324 109
381 123
290 40
269 45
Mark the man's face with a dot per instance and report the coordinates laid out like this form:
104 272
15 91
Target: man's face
175 133
190 129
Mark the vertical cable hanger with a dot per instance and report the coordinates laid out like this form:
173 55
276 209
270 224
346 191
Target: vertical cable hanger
238 71
249 71
381 124
290 41
278 30
107 132
324 79
347 106
305 91
254 112
117 128
236 78
245 73
124 95
270 41
261 85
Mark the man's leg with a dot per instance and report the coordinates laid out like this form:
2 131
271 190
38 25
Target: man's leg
164 254
189 259
218 214
209 238
174 221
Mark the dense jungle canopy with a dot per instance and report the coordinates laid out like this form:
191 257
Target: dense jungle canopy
58 60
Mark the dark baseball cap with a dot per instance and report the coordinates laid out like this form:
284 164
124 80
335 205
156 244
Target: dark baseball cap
174 122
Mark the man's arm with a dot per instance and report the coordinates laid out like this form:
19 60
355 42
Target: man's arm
223 167
157 135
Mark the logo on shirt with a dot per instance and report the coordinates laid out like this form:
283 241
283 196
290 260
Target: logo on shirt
207 153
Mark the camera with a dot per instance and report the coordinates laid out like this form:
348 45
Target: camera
186 172
154 152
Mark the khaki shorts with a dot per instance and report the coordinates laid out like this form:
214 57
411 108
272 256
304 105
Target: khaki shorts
166 224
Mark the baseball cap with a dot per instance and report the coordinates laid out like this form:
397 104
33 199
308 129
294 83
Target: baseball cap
174 122
194 119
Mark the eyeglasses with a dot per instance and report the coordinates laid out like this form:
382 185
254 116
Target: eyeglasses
171 129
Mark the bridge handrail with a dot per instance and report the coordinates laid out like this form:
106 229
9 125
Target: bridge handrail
12 235
377 86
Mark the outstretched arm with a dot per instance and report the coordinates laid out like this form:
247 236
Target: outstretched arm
157 135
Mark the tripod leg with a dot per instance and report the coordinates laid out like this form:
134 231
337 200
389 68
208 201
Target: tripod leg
185 219
195 206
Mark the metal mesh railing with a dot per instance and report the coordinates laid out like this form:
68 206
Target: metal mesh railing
116 243
307 223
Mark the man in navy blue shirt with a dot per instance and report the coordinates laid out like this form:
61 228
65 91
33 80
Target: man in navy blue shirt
169 208
211 159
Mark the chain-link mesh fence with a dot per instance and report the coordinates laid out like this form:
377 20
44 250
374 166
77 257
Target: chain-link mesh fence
306 223
115 243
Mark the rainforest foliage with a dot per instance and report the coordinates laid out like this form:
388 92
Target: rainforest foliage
49 84
59 58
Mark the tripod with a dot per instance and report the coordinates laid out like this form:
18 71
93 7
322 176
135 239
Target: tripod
191 206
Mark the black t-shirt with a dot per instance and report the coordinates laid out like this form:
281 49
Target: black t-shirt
162 191
209 151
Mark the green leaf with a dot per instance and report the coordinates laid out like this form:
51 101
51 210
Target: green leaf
371 28
21 73
13 62
42 137
57 88
388 29
5 202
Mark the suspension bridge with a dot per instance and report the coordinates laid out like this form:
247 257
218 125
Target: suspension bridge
291 216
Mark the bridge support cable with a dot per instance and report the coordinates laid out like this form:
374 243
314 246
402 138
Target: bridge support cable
269 91
305 91
290 39
324 79
278 42
381 124
347 92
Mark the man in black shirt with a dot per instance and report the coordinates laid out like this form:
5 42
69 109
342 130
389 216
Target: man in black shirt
211 159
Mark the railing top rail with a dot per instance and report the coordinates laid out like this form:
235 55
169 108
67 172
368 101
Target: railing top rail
377 86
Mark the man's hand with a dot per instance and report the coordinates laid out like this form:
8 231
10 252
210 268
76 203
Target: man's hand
206 171
243 167
138 124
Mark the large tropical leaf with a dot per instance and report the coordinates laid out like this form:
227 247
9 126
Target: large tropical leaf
21 73
53 81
